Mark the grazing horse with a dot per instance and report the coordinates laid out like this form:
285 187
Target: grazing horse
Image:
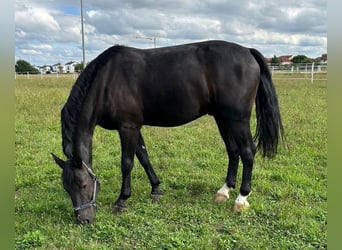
125 88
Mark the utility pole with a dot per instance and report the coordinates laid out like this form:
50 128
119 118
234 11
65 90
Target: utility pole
82 28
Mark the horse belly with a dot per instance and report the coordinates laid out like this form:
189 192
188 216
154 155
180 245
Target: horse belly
170 112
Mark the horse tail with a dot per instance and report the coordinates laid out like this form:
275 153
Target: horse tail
269 127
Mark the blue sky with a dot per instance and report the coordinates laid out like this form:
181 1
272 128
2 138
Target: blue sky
48 32
70 9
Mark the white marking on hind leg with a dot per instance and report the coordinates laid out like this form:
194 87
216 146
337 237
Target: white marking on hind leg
223 193
241 203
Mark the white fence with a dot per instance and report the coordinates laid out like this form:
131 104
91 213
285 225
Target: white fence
30 75
309 71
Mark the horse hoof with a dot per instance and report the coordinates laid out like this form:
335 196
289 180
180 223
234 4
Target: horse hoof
156 197
119 210
220 197
241 203
239 207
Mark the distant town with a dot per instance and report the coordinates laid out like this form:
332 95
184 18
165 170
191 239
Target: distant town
69 67
22 66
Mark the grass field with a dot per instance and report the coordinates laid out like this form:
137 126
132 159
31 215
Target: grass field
288 202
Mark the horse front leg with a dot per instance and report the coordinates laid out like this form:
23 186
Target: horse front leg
144 160
129 139
233 158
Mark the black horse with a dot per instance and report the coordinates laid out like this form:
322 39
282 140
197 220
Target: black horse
125 88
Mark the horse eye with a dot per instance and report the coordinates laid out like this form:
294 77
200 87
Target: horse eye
84 186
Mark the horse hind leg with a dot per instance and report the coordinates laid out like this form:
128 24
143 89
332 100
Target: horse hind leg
144 160
239 143
247 152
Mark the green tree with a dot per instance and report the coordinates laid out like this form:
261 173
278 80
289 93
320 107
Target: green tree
23 66
301 59
275 60
79 67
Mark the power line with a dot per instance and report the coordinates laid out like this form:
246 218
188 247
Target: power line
145 38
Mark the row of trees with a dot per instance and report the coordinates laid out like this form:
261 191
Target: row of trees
24 66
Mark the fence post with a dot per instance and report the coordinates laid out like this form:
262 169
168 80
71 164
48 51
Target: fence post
312 72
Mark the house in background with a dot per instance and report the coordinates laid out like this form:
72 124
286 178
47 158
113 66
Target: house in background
58 68
281 60
285 60
46 69
70 67
324 58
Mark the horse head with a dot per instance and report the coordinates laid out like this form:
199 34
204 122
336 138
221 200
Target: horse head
82 185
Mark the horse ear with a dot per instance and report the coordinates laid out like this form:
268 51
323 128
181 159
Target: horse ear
59 161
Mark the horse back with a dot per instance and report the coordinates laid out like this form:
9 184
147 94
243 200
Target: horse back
174 85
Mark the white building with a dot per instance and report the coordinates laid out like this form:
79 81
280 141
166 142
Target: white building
58 68
46 69
70 67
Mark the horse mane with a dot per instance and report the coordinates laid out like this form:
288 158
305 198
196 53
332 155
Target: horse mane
74 105
68 175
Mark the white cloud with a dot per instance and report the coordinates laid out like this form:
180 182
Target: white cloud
36 19
31 52
190 28
20 33
42 47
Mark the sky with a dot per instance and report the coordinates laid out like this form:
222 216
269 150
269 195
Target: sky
49 31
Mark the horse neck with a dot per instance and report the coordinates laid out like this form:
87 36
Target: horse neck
77 123
83 146
77 140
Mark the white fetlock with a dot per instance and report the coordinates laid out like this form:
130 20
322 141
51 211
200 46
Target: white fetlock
223 193
241 203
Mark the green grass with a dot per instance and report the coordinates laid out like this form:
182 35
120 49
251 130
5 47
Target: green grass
288 202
